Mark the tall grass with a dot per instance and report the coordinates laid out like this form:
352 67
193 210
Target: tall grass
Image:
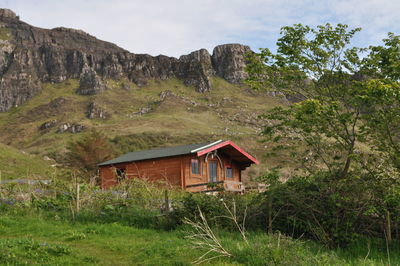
128 226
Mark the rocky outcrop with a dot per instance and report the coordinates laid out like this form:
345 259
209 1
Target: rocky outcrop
30 56
143 111
57 103
229 61
96 112
165 94
196 69
47 125
90 83
71 128
7 13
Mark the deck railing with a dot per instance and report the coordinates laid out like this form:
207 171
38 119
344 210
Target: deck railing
227 185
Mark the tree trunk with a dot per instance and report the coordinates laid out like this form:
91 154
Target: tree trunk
388 227
346 168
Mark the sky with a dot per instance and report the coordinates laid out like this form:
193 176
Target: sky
176 27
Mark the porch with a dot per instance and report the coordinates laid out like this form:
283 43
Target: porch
223 185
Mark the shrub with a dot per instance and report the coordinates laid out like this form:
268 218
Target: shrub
212 206
332 211
89 151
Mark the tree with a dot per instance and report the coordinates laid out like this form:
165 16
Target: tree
343 92
90 150
317 66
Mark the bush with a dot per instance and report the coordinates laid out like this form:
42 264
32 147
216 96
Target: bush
215 211
332 211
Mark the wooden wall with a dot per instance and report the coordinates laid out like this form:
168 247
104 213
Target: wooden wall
166 169
174 170
191 179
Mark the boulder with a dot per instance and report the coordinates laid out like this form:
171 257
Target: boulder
70 128
47 125
94 111
142 111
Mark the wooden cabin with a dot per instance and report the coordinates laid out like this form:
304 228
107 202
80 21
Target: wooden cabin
196 167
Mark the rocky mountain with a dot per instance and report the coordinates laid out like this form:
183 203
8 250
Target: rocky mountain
31 56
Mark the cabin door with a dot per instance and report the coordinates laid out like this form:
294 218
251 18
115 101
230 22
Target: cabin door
212 171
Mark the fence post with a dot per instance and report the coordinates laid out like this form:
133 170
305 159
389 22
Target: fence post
166 201
77 198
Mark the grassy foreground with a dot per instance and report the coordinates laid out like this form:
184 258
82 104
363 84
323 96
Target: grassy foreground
30 240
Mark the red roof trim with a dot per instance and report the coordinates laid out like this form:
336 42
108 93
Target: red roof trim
226 143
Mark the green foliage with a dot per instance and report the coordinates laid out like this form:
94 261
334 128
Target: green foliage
305 57
212 207
313 64
324 209
71 236
25 251
384 61
343 132
382 118
126 226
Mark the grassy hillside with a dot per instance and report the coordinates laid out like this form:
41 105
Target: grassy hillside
183 116
17 164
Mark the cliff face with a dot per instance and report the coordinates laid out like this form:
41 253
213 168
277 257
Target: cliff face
30 56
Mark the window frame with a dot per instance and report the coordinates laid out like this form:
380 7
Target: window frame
216 171
226 171
120 174
198 167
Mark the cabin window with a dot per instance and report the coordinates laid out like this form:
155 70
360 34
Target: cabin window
212 168
121 174
229 172
195 165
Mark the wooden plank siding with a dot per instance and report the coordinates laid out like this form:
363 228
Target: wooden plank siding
204 177
166 169
173 170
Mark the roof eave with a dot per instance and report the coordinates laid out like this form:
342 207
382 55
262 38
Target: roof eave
226 143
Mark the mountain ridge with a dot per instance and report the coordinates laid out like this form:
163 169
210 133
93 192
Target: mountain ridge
30 56
57 84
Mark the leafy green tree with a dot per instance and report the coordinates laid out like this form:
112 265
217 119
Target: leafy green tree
344 127
317 66
384 61
381 118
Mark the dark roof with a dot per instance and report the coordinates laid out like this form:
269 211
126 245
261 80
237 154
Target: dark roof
158 153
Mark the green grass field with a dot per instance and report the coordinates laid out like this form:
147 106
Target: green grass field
36 240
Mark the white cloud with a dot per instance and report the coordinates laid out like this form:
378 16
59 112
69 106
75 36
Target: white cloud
176 27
